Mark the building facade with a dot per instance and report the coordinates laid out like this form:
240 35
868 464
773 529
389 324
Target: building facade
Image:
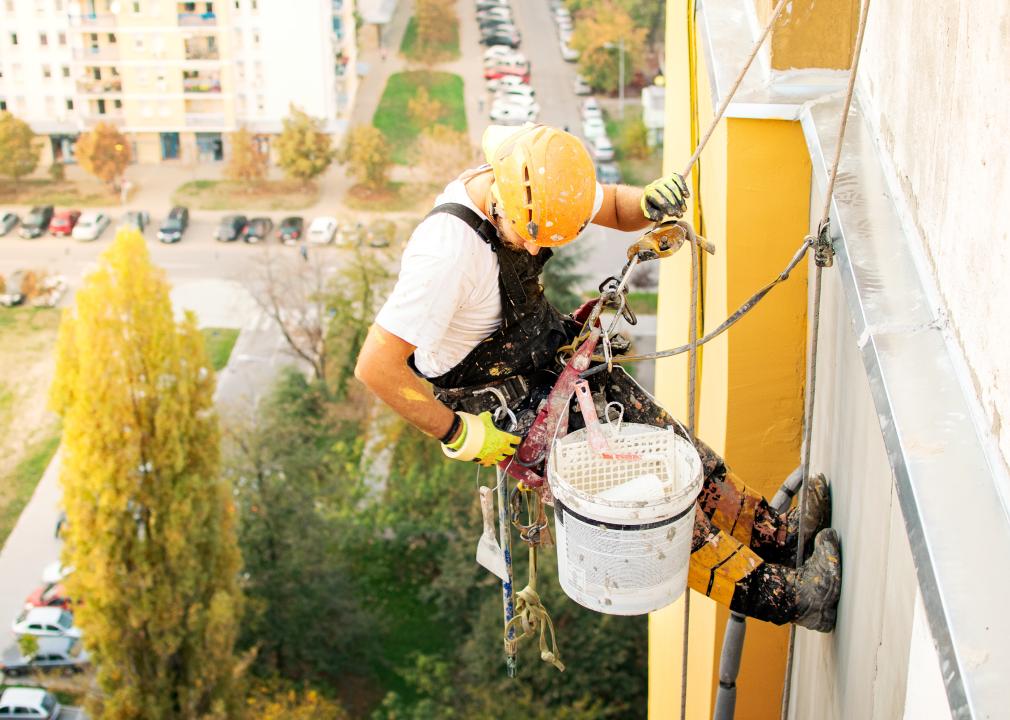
177 77
907 420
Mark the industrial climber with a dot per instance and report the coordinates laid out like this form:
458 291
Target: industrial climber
468 312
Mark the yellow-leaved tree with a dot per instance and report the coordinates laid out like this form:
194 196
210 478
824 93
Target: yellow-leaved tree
151 527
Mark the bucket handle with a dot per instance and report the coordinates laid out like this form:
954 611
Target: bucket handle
597 440
620 414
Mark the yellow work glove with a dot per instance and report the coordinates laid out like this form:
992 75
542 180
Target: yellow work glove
666 197
481 441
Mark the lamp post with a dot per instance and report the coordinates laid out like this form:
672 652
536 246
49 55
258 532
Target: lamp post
620 74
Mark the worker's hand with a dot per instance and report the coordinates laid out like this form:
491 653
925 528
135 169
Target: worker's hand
666 197
481 441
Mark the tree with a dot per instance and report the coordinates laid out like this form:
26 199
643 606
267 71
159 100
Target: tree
104 152
442 153
437 26
275 701
304 151
247 164
562 281
634 140
367 154
597 37
150 526
19 150
423 109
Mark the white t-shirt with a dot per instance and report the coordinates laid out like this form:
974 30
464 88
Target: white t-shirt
446 298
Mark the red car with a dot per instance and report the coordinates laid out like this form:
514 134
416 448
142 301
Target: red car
499 71
51 595
63 222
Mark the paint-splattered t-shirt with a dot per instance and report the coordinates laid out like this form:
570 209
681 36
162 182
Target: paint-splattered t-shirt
446 298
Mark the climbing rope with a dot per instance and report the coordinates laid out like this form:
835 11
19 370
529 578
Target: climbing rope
824 259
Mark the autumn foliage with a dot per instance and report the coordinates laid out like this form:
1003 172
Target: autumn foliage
104 152
19 150
247 164
366 153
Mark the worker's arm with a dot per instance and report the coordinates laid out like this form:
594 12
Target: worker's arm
382 367
629 208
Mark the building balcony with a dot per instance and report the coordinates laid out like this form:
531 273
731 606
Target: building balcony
100 87
202 48
97 54
205 120
197 19
92 21
201 85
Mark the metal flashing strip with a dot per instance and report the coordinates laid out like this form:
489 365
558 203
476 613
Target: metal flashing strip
939 460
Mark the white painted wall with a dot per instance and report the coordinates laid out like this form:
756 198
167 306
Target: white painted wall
933 83
860 670
924 696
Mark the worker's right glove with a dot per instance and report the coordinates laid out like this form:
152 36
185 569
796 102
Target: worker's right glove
665 197
481 441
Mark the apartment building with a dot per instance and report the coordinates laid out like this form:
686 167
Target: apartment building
177 77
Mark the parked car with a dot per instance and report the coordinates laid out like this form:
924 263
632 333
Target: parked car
607 173
175 225
488 4
565 26
602 149
54 572
562 13
508 113
45 622
258 229
8 221
350 235
506 81
581 86
322 230
54 653
90 226
289 231
12 294
502 54
19 703
520 99
37 221
591 108
137 218
230 228
593 127
494 25
381 233
63 222
495 12
512 40
49 595
501 71
568 53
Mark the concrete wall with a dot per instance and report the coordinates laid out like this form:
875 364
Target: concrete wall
933 84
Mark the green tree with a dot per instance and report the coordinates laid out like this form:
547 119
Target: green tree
295 470
150 521
104 152
19 149
303 150
247 163
277 701
367 154
634 139
562 281
600 29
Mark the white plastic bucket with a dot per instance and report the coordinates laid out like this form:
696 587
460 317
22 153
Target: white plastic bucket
624 527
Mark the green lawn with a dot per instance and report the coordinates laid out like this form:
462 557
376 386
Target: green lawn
220 342
228 195
21 482
46 192
440 53
393 119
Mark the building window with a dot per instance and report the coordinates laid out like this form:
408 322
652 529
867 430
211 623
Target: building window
66 71
14 38
70 104
253 5
62 38
112 38
238 5
43 39
118 104
47 71
256 38
136 8
3 104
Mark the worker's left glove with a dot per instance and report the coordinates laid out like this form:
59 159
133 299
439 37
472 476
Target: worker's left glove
481 441
666 197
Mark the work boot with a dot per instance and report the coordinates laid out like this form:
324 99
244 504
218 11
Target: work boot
819 583
782 594
816 515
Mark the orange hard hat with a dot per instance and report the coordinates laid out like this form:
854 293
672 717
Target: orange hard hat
545 181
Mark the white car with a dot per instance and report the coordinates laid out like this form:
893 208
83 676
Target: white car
565 35
55 572
602 149
591 108
568 54
504 13
581 86
505 81
508 113
565 26
322 230
520 99
494 52
90 226
507 56
593 127
562 13
45 622
28 703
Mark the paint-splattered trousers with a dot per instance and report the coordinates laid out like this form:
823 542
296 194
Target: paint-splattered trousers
742 550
